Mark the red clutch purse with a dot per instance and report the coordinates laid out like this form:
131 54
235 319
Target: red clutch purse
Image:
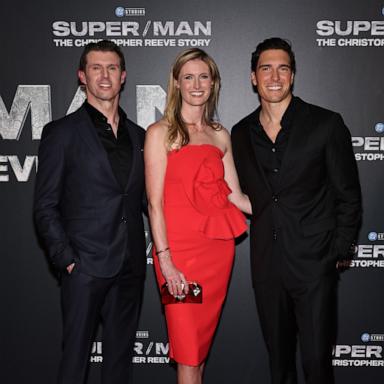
194 296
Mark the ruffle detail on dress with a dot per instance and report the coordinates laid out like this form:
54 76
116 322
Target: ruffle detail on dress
210 190
209 195
231 223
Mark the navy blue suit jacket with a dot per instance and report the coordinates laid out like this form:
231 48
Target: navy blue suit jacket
82 213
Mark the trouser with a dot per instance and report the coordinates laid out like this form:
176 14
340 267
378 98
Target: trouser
290 309
85 300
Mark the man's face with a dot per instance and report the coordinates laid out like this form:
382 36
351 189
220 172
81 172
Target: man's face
102 76
273 76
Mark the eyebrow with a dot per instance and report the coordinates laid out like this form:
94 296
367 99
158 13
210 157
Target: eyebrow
193 74
101 64
270 65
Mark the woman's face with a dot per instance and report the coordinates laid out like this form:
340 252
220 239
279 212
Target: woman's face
195 82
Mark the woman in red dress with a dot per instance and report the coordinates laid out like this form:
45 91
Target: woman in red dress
194 200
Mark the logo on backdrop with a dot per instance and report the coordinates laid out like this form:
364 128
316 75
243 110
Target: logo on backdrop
350 33
369 354
121 11
370 148
145 350
134 32
374 236
369 255
149 245
35 100
367 337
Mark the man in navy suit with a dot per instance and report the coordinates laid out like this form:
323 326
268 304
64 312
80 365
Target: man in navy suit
296 164
89 200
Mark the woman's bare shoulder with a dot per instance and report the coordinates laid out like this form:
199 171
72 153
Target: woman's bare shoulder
160 126
222 138
158 130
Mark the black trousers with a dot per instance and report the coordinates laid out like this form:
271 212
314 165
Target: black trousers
290 310
116 302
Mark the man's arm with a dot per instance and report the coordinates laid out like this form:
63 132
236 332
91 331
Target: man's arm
343 174
48 191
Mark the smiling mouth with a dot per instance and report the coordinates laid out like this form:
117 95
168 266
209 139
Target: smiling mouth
105 86
197 94
274 87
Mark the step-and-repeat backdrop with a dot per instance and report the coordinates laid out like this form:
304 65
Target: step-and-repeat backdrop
339 47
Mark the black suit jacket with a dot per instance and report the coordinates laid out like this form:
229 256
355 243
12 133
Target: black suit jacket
81 211
317 204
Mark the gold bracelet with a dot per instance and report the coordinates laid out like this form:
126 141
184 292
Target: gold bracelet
162 250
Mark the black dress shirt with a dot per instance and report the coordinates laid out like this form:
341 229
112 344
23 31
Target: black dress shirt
270 154
118 148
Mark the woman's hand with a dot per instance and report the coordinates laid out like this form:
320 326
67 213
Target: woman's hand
176 282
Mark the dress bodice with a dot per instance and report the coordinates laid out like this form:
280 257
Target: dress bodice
195 176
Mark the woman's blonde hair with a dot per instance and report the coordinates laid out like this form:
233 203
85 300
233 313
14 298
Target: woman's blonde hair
178 131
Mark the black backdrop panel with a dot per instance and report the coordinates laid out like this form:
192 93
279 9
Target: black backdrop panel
339 51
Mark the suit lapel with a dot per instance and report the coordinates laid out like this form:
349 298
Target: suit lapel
136 152
297 140
250 148
88 134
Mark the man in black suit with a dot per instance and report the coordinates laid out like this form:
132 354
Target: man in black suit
295 162
88 210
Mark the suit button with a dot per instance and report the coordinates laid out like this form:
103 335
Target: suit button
275 198
124 220
274 235
275 170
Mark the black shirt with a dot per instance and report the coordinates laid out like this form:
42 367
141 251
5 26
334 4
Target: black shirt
119 149
270 155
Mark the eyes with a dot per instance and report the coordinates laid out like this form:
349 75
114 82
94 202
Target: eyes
97 67
202 76
268 68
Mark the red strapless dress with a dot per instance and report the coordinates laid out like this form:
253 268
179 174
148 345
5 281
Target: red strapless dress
201 227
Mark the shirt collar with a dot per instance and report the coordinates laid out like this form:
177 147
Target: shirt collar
98 117
287 116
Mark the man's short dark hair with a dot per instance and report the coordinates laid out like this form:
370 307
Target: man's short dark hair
273 43
101 46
